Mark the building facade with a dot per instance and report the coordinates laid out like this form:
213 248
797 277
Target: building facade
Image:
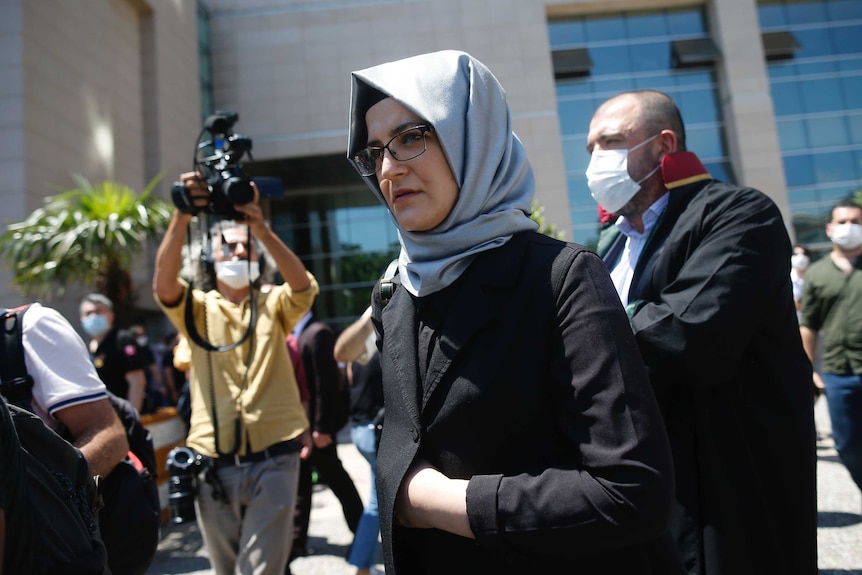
771 93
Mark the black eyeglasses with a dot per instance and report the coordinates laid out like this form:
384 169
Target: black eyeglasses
403 146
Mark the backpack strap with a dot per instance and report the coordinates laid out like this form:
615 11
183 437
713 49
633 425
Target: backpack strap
387 283
16 385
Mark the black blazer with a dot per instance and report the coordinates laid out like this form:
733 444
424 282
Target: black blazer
536 393
328 394
715 321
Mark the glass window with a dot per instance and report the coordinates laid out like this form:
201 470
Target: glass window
720 171
851 90
605 88
572 88
823 95
603 29
580 198
786 98
646 26
809 196
610 60
772 16
575 115
697 106
566 32
848 39
854 123
649 56
813 42
662 80
791 135
843 10
782 69
826 131
805 12
575 152
798 170
702 78
832 194
851 64
685 23
833 166
705 141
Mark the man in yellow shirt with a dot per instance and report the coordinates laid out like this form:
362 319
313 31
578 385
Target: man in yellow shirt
247 418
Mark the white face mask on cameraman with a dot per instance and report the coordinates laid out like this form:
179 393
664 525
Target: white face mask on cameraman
847 236
236 274
608 177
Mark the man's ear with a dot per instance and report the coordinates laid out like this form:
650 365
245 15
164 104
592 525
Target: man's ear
668 141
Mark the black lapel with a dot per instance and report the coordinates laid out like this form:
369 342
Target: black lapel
400 342
676 203
483 288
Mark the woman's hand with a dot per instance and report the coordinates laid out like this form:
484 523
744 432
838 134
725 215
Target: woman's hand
428 499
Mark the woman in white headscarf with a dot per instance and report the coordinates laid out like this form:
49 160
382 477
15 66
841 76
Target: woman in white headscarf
521 432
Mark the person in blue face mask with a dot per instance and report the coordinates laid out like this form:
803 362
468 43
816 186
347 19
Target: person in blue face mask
703 267
115 353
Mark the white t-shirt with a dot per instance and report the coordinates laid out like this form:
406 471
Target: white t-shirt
59 363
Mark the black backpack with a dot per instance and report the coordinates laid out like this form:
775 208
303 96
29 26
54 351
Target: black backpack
130 517
60 533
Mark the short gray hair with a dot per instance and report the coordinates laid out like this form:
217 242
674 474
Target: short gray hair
97 299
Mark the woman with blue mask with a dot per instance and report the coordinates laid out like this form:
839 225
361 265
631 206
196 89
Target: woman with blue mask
521 433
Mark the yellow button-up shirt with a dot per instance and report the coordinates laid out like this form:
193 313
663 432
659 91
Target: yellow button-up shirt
254 381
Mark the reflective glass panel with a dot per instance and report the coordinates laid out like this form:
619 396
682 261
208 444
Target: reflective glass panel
826 131
791 135
817 97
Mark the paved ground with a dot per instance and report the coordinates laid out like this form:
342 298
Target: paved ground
839 522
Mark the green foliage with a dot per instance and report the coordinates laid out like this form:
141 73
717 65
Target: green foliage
84 235
538 216
857 197
360 270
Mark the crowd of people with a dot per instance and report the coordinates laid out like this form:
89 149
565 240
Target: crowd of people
525 404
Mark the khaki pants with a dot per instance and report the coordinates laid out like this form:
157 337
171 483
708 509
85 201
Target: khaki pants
252 533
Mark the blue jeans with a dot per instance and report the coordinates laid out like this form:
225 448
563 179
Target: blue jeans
364 548
844 398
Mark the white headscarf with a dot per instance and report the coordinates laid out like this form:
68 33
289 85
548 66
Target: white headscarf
467 107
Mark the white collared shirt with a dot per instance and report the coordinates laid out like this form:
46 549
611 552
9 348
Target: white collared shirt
635 241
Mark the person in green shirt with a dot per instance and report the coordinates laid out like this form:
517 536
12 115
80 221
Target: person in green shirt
832 308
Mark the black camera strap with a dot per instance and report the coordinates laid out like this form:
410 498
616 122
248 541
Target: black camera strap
237 427
200 341
189 317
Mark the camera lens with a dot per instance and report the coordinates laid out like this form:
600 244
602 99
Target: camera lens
238 190
181 458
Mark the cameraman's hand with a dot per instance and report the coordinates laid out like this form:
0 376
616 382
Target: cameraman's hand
252 212
196 188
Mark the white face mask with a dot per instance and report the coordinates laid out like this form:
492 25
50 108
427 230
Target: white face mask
608 177
799 261
235 273
847 236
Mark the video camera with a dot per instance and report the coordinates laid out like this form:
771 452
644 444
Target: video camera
217 159
183 466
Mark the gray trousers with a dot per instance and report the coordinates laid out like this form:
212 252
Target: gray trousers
252 533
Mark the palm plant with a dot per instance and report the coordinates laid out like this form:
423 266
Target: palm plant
88 235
